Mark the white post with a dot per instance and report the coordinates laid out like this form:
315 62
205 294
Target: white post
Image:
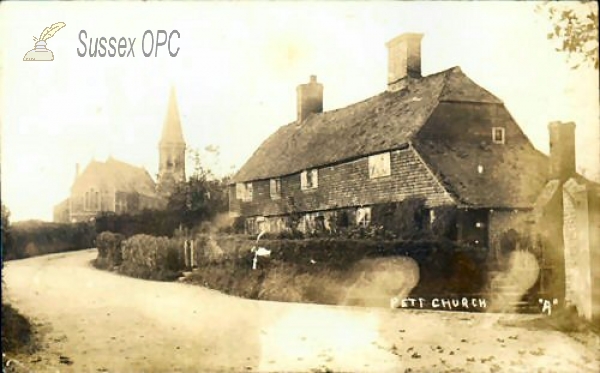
185 253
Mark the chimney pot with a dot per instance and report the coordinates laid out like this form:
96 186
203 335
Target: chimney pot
404 60
562 150
310 98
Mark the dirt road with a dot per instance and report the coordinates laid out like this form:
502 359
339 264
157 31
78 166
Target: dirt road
102 322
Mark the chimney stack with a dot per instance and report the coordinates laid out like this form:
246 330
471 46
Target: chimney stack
562 150
404 60
310 98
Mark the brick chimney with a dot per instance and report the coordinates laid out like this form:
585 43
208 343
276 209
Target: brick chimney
310 98
562 150
404 60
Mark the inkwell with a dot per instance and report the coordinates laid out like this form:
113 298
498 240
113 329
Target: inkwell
40 52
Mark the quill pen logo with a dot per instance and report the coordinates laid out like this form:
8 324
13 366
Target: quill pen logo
40 52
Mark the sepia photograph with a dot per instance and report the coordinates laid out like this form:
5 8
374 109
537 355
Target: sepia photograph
300 186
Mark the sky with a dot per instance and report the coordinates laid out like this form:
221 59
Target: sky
236 74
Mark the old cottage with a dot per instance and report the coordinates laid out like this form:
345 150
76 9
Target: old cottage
441 139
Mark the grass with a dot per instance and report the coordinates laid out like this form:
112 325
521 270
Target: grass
17 331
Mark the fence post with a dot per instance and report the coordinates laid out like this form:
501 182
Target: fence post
192 261
185 253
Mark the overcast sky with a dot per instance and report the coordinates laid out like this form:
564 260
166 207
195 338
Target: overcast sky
236 74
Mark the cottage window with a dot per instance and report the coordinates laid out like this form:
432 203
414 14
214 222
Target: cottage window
432 216
363 216
498 135
239 191
379 165
248 194
250 226
119 205
275 188
261 224
309 179
243 191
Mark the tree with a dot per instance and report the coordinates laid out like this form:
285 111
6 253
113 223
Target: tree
575 27
201 197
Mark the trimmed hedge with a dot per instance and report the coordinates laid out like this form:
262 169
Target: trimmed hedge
445 268
34 238
149 257
307 270
151 222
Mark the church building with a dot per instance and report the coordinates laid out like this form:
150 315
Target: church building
119 187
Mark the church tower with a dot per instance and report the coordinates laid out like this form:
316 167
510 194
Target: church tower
171 168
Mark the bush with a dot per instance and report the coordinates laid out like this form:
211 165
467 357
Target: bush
151 222
33 238
109 250
239 224
155 258
16 331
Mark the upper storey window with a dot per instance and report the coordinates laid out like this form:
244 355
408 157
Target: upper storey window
244 191
498 135
309 179
379 165
275 188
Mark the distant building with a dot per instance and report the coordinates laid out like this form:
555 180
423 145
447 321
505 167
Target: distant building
115 186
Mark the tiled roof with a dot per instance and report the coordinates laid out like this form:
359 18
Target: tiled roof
495 176
119 175
383 122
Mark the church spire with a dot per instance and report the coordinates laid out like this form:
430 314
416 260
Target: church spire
171 168
172 133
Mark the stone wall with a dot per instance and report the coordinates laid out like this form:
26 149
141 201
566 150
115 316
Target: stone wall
581 258
594 218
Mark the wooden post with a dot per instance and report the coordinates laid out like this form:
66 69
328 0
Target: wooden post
192 261
185 253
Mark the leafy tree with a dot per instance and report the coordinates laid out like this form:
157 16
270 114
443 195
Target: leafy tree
575 27
201 197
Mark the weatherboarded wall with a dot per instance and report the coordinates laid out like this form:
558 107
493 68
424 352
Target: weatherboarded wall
347 184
